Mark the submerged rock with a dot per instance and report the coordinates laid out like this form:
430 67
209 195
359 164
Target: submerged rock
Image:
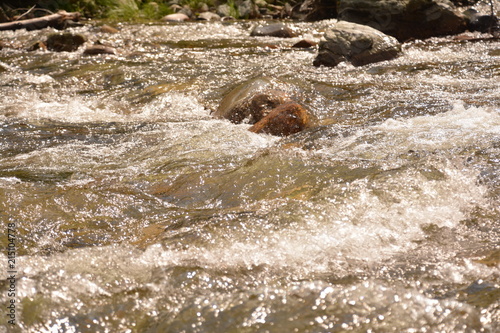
357 44
404 19
273 30
256 106
230 106
66 42
285 119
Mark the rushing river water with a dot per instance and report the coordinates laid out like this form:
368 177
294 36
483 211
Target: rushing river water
136 211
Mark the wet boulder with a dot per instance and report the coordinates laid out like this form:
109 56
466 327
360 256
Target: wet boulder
267 104
316 10
357 44
66 42
286 119
404 19
251 101
256 106
273 30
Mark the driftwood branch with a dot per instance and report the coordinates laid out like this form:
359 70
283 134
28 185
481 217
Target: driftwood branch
56 20
26 13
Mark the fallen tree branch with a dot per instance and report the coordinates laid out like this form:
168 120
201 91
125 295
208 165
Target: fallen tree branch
56 20
26 13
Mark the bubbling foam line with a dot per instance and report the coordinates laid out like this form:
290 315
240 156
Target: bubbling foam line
167 107
367 226
458 128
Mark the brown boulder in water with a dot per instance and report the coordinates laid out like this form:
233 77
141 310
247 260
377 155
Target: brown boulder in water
257 106
251 100
286 119
267 104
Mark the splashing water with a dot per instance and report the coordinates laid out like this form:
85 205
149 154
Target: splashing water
136 211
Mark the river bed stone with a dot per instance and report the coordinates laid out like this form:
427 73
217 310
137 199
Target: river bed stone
228 107
256 106
286 119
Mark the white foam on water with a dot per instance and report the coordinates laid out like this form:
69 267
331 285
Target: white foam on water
198 141
8 182
371 219
172 107
73 156
75 110
459 127
166 107
91 269
371 222
81 278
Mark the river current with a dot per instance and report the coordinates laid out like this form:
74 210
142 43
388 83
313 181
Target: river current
134 210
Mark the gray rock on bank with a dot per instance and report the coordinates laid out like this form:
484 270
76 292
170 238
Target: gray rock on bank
357 44
177 17
208 16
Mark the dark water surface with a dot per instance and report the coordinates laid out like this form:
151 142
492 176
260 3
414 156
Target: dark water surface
136 211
